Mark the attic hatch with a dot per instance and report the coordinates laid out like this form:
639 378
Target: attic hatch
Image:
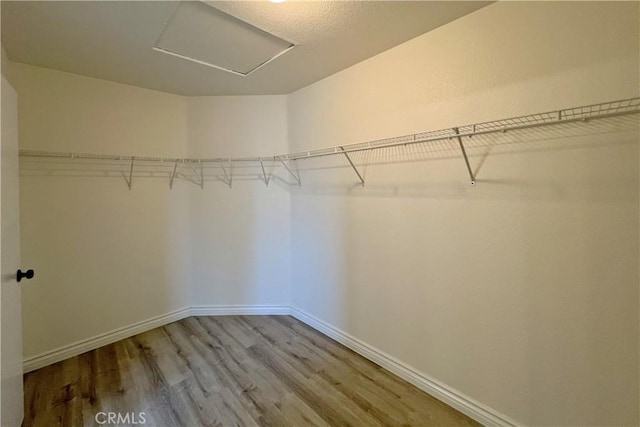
203 34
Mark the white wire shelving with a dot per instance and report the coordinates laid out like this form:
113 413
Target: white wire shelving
196 166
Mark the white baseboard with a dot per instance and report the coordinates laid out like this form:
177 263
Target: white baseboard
448 395
61 353
468 406
239 310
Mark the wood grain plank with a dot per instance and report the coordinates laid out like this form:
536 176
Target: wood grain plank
229 371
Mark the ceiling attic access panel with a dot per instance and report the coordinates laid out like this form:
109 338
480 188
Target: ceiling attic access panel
203 34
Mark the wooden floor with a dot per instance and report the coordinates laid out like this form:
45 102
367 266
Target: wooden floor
228 371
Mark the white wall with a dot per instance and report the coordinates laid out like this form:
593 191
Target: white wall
106 257
240 235
521 292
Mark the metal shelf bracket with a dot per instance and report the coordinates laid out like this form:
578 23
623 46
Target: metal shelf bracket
173 175
264 173
198 177
296 177
201 175
130 180
464 154
227 176
576 115
353 166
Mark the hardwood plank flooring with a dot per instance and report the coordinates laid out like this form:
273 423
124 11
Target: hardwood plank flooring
228 371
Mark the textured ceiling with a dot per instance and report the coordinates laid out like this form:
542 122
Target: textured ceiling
113 40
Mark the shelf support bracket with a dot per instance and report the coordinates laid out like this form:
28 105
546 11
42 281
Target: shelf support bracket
264 173
130 174
296 177
464 154
173 175
201 175
353 166
227 176
198 177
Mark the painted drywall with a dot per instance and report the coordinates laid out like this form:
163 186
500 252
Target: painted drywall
522 292
106 257
239 236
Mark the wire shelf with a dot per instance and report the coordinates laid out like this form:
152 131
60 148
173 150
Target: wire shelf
583 113
434 139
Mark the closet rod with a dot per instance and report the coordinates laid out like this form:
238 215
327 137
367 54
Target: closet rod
583 113
170 161
550 118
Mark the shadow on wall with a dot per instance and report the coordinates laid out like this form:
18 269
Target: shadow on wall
523 285
239 242
567 136
118 257
438 170
100 256
210 173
